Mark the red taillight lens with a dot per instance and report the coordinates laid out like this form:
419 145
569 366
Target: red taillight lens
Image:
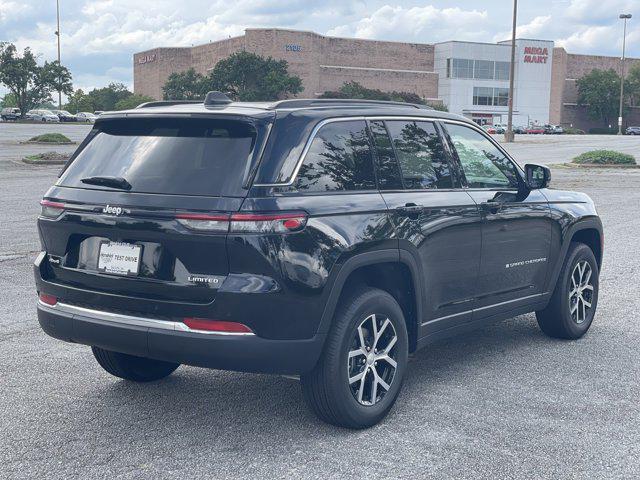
244 222
48 299
203 222
216 325
268 222
51 209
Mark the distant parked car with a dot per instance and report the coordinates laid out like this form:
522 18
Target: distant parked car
10 113
499 128
98 112
632 131
534 130
489 129
64 116
42 116
519 130
553 129
87 117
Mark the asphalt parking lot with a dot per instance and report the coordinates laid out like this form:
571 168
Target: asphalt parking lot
502 402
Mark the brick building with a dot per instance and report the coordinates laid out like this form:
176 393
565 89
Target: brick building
469 77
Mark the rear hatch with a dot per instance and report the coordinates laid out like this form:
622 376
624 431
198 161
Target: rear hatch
136 212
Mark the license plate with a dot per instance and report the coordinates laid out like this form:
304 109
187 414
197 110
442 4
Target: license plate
119 258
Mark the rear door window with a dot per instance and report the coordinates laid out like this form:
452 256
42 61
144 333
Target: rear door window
421 155
339 158
186 156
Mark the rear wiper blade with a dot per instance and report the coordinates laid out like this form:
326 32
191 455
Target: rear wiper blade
115 182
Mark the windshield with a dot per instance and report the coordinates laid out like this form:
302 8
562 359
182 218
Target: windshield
170 156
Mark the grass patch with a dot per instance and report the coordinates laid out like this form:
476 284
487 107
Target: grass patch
604 157
55 138
47 158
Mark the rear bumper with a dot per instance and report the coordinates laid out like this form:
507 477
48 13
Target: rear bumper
169 341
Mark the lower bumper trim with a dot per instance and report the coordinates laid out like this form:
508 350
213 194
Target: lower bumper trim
161 341
129 320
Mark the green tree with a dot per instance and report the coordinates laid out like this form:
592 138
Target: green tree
132 101
79 101
106 98
187 85
30 83
9 100
633 84
599 92
355 90
249 77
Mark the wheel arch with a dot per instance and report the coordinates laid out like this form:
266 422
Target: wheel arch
393 271
588 231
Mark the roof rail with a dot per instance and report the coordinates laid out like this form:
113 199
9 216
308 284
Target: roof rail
166 103
318 102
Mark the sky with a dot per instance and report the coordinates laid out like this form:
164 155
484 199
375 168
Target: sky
99 37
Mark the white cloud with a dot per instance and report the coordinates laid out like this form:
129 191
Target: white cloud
599 11
586 39
10 10
539 28
426 24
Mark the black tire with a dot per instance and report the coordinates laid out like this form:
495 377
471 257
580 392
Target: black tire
129 367
557 319
327 389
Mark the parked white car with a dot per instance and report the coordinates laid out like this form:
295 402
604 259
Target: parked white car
87 117
42 116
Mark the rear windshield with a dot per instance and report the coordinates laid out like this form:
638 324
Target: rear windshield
175 156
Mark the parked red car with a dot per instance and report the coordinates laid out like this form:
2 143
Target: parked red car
534 130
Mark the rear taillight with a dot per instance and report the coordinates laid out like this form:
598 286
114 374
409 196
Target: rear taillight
245 222
51 209
48 299
219 326
268 223
205 223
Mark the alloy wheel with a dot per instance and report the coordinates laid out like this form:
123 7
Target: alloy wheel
581 292
372 361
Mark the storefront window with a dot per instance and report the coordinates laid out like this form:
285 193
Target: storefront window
483 70
478 69
482 96
502 70
461 68
501 97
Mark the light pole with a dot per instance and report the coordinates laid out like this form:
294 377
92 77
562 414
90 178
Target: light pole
624 17
508 135
58 35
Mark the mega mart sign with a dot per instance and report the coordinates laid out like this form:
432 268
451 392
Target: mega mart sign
536 54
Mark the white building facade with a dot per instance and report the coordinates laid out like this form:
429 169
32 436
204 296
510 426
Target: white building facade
473 80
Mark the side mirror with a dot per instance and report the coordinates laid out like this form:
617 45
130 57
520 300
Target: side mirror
538 176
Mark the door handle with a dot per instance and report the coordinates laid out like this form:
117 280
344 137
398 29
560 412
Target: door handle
410 209
491 207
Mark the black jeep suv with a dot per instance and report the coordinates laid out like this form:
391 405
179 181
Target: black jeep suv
322 238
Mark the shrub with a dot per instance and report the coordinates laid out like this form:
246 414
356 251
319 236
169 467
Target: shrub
51 158
604 157
603 131
573 131
50 138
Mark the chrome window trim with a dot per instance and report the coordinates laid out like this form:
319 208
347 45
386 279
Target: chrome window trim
366 118
129 320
